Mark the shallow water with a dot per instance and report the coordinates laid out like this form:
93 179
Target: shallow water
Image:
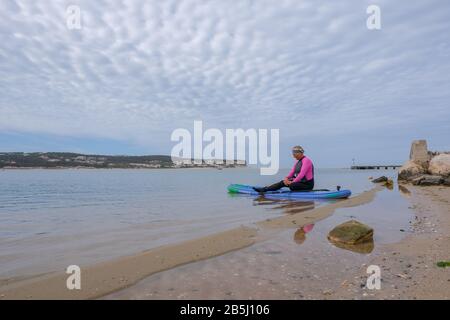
297 263
52 218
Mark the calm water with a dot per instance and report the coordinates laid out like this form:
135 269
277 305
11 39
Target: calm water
52 218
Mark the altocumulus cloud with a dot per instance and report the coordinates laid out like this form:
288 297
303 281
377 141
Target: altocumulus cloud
139 69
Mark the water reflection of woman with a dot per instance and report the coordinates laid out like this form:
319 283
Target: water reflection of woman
300 234
288 206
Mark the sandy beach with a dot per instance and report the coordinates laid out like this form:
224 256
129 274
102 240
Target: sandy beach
277 269
104 278
262 262
224 150
409 266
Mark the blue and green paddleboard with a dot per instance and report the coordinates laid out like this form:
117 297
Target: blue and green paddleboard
287 194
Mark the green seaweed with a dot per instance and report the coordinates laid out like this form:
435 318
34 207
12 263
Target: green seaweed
443 264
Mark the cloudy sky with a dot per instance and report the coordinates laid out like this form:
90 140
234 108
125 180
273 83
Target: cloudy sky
137 70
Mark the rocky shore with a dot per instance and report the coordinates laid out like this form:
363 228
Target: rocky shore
425 168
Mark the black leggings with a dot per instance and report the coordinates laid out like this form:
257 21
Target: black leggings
294 186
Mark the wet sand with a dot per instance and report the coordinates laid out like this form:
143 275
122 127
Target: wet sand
101 279
409 269
301 264
282 258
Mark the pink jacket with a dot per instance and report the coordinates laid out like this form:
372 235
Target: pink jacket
306 171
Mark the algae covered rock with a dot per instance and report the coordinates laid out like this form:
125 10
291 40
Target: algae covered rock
380 179
350 233
389 184
385 181
363 248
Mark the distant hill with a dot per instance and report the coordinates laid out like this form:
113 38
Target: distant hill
78 160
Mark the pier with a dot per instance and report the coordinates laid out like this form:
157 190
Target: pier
375 167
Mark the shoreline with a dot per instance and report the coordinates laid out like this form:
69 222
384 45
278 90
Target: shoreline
285 266
104 278
408 267
130 168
